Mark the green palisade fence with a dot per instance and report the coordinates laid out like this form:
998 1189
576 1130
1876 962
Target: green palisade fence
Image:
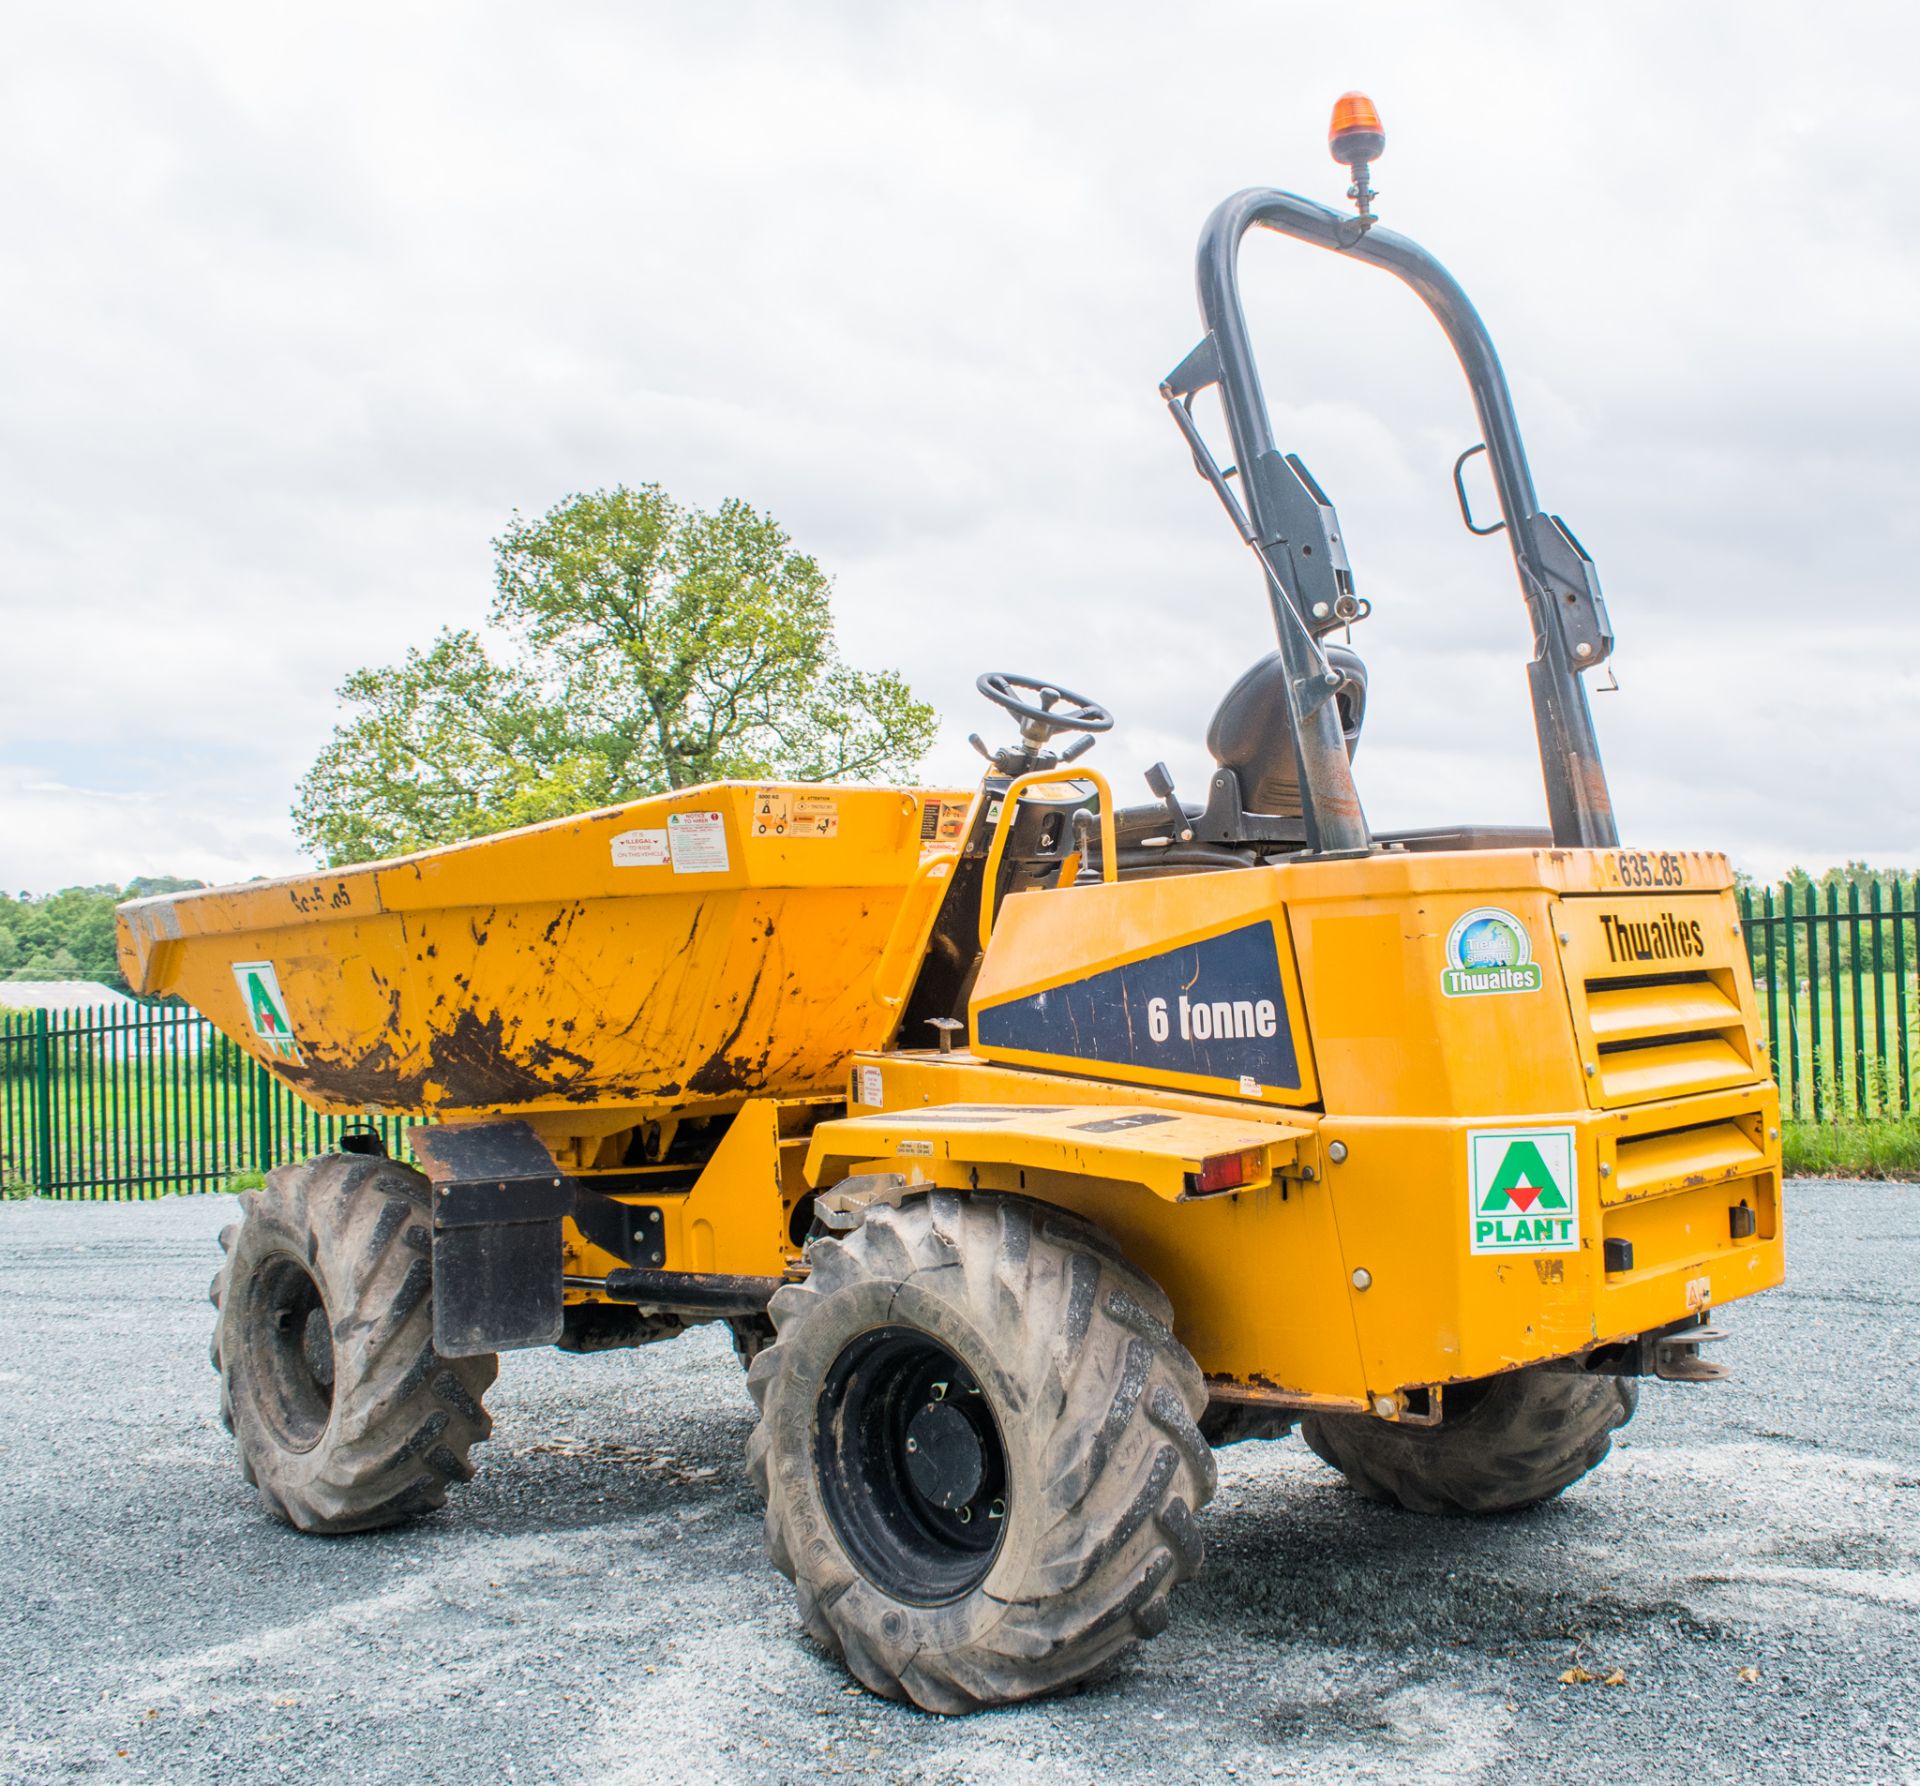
142 1100
1835 975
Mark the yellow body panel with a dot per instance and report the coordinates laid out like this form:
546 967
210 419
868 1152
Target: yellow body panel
1352 1276
737 1217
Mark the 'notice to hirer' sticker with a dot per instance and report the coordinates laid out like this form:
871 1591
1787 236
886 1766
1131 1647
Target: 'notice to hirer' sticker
697 842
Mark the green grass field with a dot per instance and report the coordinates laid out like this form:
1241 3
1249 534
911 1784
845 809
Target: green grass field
127 1124
1884 1148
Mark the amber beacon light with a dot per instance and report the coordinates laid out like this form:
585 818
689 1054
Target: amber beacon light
1355 137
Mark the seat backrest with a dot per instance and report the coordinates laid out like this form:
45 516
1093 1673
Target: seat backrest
1252 735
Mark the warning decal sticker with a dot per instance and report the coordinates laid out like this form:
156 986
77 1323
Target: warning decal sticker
780 812
770 813
1523 1191
943 821
641 849
697 842
815 815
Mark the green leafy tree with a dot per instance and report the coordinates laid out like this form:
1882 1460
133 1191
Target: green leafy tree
70 935
647 647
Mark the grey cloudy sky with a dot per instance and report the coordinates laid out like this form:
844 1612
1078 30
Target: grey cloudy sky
302 303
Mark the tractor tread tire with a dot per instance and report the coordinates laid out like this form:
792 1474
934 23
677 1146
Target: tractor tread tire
402 1420
1097 1405
1520 1440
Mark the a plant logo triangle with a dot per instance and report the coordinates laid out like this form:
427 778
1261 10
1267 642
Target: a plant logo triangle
1523 1191
266 1007
1524 1181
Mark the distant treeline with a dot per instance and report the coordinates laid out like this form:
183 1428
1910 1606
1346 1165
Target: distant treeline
69 935
1886 891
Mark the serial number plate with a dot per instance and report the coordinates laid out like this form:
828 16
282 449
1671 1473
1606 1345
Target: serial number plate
1646 868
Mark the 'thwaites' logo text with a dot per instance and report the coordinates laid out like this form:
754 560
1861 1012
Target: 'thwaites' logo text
1665 938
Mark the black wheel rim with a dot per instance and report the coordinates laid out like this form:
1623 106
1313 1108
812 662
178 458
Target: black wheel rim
290 1343
911 1466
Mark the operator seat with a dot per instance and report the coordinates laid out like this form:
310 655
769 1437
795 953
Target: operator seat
1252 735
1251 738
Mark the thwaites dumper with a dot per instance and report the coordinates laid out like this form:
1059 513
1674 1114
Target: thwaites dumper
1029 1145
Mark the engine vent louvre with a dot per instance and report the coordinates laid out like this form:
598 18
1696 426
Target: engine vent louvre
1667 1035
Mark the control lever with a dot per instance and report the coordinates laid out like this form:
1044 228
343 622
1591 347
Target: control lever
1160 786
1079 750
979 744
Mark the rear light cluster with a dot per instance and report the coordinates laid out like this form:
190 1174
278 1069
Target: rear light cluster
1226 1172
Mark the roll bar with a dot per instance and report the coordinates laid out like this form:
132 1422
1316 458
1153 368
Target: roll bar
1292 529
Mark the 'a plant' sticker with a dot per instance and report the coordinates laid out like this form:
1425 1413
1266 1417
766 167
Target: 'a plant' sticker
1523 1191
266 1007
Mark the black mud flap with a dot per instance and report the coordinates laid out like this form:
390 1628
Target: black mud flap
498 1204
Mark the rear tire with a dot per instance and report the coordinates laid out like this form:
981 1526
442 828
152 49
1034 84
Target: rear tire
1509 1442
978 1450
346 1417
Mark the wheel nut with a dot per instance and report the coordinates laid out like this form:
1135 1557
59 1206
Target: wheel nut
1362 1278
1337 1152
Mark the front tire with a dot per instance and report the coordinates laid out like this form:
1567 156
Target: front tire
1509 1442
346 1417
978 1450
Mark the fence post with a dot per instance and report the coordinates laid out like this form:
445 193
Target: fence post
1882 1097
42 1106
1836 1034
1856 981
1900 986
1793 1008
1775 1059
262 1118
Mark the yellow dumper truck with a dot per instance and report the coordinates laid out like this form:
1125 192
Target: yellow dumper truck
1030 1144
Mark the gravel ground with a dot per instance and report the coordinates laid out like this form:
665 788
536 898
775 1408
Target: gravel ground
596 1606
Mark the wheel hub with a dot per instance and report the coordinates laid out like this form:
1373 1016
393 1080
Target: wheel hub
911 1466
288 1343
945 1460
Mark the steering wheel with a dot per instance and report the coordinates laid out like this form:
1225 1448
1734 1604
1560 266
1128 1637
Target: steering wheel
1038 724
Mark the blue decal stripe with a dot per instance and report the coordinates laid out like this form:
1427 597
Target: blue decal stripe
1213 1008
